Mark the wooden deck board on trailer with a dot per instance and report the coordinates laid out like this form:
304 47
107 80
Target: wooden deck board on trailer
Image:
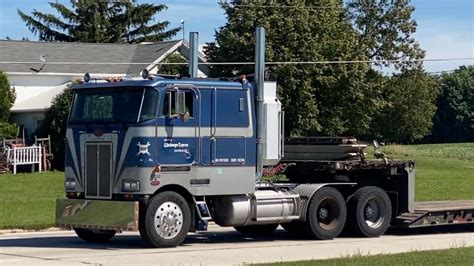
452 205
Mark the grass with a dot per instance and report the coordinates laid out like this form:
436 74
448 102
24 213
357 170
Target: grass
443 171
455 256
27 201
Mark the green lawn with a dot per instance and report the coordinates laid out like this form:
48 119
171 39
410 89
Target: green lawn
455 256
443 172
27 201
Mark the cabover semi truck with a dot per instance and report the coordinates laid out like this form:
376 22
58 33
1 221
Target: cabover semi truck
164 156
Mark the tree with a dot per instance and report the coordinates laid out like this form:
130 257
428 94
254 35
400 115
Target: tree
54 124
181 70
100 22
328 99
454 119
299 34
385 29
7 97
7 130
408 108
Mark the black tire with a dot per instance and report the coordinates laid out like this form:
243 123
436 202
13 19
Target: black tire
326 214
94 235
295 227
166 220
257 230
369 212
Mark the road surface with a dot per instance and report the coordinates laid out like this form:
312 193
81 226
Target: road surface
219 246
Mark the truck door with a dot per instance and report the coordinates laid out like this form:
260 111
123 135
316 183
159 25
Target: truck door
181 127
225 138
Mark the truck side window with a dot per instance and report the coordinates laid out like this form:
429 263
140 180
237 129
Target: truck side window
189 103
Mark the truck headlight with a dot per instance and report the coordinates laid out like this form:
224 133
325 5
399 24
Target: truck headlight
130 185
70 184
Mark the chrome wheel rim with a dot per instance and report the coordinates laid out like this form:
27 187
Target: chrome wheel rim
373 212
168 220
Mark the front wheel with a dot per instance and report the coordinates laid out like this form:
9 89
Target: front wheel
94 235
166 221
326 214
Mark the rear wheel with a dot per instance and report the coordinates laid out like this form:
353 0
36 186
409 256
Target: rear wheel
94 235
257 230
370 212
166 221
326 214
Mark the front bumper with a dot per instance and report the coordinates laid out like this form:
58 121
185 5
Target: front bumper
97 214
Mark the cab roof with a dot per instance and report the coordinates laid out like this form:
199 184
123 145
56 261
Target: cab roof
157 82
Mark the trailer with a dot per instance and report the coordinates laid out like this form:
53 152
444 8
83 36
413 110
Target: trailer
165 156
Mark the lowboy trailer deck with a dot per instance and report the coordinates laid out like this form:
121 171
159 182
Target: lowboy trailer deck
355 168
166 156
433 213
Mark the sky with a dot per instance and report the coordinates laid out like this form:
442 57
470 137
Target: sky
445 27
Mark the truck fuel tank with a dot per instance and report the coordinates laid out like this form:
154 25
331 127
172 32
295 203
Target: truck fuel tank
261 207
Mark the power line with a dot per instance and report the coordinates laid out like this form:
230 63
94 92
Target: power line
251 63
342 7
316 7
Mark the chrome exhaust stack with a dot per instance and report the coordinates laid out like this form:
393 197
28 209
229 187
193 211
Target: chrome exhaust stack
193 54
259 81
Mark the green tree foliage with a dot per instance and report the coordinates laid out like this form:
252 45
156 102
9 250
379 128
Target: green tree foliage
298 34
174 69
100 22
54 124
454 119
325 99
385 29
7 130
7 98
407 108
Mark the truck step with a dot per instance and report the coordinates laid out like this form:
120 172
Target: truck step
203 210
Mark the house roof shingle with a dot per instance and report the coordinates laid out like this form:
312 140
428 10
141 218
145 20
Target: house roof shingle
25 51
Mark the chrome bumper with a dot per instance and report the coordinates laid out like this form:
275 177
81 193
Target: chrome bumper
97 214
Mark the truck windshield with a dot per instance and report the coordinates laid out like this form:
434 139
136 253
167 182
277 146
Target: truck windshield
119 106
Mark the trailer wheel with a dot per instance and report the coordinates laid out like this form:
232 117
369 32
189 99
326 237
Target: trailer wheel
94 235
166 221
326 214
370 212
257 230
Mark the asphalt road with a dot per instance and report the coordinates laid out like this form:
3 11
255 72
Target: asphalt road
219 246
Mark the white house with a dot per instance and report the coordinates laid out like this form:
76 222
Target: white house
41 70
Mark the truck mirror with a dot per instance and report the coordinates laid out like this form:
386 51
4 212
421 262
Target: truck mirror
170 108
376 144
181 104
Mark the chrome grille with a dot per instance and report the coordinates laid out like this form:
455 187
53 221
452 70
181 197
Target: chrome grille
98 170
